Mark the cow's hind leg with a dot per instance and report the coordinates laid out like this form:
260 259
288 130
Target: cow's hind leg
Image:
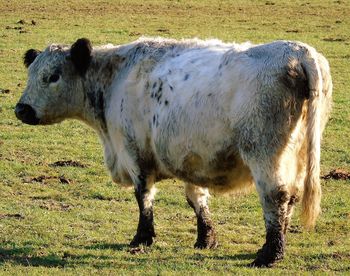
197 198
144 193
277 206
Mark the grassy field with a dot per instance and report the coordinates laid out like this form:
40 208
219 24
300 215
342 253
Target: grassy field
73 220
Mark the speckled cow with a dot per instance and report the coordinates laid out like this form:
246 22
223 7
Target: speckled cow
218 116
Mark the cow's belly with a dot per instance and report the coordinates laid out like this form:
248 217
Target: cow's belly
220 170
224 173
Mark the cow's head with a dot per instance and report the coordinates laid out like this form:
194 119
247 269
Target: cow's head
54 86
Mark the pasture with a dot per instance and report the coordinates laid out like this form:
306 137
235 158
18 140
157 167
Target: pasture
60 213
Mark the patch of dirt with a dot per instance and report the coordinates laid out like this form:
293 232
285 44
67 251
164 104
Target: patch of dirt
23 22
63 180
53 205
163 30
44 179
68 163
136 250
5 91
16 216
334 39
337 174
292 31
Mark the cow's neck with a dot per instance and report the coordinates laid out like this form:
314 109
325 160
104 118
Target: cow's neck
96 84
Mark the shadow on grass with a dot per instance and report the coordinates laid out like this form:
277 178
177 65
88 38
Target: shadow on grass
113 246
236 257
24 256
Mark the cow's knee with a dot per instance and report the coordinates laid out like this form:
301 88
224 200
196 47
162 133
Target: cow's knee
144 193
197 198
275 205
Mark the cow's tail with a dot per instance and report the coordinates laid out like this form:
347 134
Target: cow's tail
312 187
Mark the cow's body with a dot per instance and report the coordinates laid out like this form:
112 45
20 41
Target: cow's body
219 116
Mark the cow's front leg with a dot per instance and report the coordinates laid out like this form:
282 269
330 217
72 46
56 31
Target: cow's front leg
197 198
275 205
144 193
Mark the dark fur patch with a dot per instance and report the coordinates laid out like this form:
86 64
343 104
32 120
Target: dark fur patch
295 79
121 105
30 56
273 249
145 230
224 160
97 103
81 55
206 236
186 77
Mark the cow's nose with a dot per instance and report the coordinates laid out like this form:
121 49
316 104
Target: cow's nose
26 114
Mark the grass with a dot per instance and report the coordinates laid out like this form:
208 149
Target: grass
50 227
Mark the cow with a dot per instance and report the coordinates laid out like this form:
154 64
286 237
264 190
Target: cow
218 116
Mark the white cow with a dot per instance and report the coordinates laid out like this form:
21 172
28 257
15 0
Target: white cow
217 116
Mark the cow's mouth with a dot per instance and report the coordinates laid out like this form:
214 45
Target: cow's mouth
26 114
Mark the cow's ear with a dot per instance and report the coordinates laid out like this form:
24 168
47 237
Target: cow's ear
81 55
30 56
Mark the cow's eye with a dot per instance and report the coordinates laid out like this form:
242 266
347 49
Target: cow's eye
54 78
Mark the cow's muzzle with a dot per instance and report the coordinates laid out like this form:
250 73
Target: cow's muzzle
26 114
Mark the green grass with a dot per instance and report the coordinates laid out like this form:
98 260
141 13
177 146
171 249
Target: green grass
84 227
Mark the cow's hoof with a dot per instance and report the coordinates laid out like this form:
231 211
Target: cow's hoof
267 257
258 262
209 242
141 240
206 245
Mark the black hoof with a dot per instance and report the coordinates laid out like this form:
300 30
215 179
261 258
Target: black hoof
261 263
209 242
141 240
206 245
267 256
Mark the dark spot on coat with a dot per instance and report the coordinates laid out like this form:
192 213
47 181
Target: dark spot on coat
154 85
121 105
97 103
224 160
171 88
158 94
166 102
294 78
186 77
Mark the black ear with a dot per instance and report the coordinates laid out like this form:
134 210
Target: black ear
30 56
81 56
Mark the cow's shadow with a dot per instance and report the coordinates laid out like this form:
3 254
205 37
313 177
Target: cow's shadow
113 246
27 256
24 256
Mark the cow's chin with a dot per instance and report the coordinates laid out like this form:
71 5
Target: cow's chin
33 121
